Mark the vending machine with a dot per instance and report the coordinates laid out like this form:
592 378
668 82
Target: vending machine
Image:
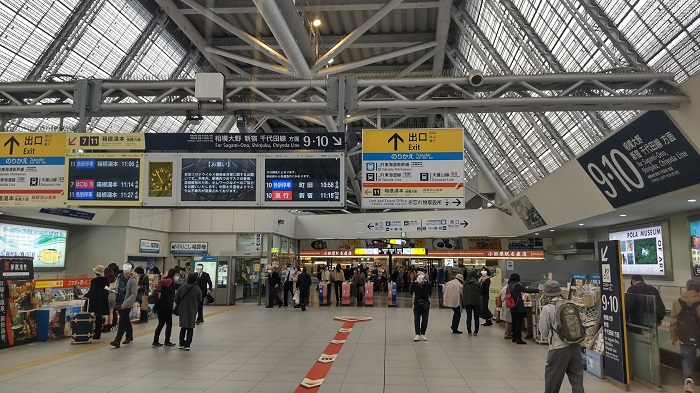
392 294
345 299
369 294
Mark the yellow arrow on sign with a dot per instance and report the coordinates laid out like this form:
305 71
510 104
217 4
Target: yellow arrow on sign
34 144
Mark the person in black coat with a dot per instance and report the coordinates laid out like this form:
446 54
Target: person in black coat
275 284
516 290
634 308
485 288
304 286
205 285
97 297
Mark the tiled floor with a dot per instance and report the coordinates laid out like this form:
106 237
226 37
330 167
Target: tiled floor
253 349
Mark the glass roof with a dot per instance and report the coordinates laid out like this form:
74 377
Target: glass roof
43 39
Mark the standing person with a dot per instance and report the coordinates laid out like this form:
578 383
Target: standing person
505 314
641 288
187 299
304 286
421 290
274 283
126 296
142 293
98 299
326 275
471 298
516 290
562 358
205 286
111 273
358 280
287 283
338 278
164 307
440 280
685 327
295 277
485 288
347 273
453 299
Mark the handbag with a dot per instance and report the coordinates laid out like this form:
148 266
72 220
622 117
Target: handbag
153 297
422 305
210 298
296 298
175 309
144 303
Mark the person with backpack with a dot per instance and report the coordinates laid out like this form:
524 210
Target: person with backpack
514 301
164 307
685 327
560 322
471 299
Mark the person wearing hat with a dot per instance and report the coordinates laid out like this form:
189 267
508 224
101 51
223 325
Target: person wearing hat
639 287
682 325
452 298
562 358
97 299
421 290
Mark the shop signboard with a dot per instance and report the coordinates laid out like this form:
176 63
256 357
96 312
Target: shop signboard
62 283
17 324
616 363
110 179
189 248
32 169
110 141
47 246
149 246
413 169
647 158
233 142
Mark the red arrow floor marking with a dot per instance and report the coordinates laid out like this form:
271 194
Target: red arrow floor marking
315 376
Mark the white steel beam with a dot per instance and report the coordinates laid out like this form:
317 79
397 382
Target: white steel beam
374 59
357 33
192 33
261 64
443 28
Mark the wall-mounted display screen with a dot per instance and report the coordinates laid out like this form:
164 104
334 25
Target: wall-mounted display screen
218 180
642 250
695 245
46 245
104 179
304 180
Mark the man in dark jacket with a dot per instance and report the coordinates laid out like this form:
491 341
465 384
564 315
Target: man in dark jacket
304 286
205 285
421 291
639 287
274 282
516 290
471 299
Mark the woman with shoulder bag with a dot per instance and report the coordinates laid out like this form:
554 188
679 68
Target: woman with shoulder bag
142 294
164 307
187 299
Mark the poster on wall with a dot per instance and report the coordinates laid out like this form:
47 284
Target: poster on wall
528 213
17 323
695 246
46 245
248 242
642 250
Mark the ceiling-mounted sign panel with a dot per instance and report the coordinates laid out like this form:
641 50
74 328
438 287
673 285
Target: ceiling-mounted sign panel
304 180
413 169
237 142
647 158
110 141
103 179
218 180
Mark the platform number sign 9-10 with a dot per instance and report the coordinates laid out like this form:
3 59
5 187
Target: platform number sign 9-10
647 158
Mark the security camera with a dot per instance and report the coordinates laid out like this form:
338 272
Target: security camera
475 78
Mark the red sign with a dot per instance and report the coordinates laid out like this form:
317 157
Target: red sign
62 283
281 195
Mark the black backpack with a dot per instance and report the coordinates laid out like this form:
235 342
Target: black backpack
687 323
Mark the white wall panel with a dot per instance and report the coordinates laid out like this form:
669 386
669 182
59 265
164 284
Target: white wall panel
134 236
180 220
222 220
200 220
89 246
244 221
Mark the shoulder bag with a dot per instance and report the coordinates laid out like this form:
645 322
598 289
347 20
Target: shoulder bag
175 309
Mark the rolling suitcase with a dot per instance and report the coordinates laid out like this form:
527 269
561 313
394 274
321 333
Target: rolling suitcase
83 326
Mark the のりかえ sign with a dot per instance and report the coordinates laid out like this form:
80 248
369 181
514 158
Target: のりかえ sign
189 247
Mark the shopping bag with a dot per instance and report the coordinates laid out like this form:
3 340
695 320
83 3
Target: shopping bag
296 298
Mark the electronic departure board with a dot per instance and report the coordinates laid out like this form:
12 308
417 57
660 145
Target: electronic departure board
103 179
218 180
304 180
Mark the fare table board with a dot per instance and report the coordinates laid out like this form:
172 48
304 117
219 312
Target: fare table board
616 364
413 169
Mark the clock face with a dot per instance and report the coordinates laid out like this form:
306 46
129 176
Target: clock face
160 181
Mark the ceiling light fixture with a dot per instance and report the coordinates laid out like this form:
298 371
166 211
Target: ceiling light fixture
316 22
537 233
551 230
330 61
623 215
692 200
581 224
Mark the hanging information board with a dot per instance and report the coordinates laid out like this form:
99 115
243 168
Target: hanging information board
218 180
103 179
304 180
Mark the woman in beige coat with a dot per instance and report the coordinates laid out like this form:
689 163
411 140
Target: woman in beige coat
452 298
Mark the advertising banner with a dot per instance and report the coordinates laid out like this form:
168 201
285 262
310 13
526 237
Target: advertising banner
642 250
17 323
47 246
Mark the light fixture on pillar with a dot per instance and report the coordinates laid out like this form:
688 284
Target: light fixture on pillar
475 78
316 22
193 118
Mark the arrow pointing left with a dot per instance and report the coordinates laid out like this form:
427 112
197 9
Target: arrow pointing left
12 142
